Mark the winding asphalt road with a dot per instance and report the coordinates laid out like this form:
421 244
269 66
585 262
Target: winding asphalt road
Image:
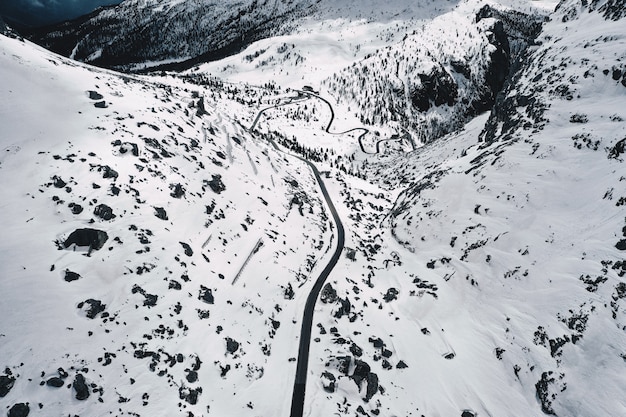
299 388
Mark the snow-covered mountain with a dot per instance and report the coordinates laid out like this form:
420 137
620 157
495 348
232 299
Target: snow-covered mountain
438 77
158 252
154 250
175 34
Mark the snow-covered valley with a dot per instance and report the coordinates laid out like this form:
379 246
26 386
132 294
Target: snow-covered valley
162 233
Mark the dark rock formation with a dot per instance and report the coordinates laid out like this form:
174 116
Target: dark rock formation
361 370
328 295
231 345
189 394
71 276
55 382
392 294
328 381
372 386
618 149
187 248
81 388
76 208
19 410
94 95
344 309
192 376
206 295
95 307
160 213
178 191
543 392
437 87
104 212
216 184
6 383
94 239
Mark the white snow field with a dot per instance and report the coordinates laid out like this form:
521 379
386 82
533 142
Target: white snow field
157 254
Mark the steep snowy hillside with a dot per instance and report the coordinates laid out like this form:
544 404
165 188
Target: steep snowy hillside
175 34
160 242
438 77
156 257
495 283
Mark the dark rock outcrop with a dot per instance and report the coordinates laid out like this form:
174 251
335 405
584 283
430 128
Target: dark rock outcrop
104 212
435 88
92 238
71 276
543 392
19 410
328 381
160 213
81 388
55 382
6 383
231 345
206 295
618 149
328 295
216 184
186 248
95 307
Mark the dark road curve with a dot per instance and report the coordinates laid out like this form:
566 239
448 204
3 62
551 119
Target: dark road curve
299 387
330 122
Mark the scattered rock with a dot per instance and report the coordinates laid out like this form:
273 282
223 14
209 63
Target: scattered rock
392 294
361 370
6 383
71 276
81 388
206 295
93 238
231 345
160 213
189 394
177 191
94 95
216 184
187 248
19 410
95 307
543 392
618 149
100 104
372 386
329 295
55 382
328 381
76 208
104 212
192 376
58 182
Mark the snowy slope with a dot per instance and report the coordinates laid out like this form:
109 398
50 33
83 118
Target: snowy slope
187 293
499 279
482 274
139 34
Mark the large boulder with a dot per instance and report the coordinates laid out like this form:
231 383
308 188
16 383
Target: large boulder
81 388
92 238
6 383
19 410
